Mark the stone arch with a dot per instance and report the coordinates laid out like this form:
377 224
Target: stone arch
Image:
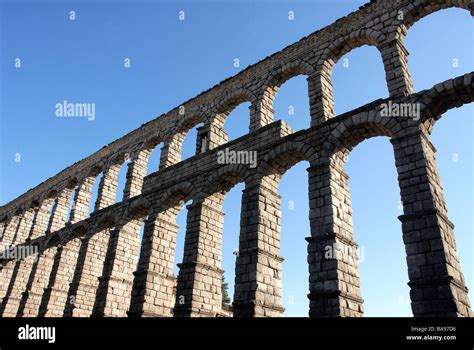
281 74
117 167
150 142
138 165
324 98
90 180
213 133
19 211
107 221
82 193
232 99
34 203
147 146
95 170
398 74
264 114
197 116
111 168
76 231
345 44
224 179
4 219
360 127
282 158
49 241
419 9
51 194
72 182
138 208
444 96
177 194
119 158
172 151
116 160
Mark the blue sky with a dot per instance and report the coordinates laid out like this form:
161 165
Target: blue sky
172 61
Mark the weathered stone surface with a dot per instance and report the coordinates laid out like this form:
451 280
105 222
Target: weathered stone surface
92 265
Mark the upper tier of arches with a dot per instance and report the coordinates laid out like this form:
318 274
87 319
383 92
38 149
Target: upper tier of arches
381 24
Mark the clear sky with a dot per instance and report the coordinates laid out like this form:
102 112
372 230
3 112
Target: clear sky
172 61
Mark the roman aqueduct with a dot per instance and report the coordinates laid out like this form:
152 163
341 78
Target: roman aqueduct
94 257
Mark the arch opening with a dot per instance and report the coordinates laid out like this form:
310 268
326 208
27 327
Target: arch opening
153 160
236 122
291 103
437 51
358 77
121 180
372 211
189 141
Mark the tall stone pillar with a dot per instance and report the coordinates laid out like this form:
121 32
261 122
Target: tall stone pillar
153 285
24 227
11 301
6 274
321 98
334 286
258 266
83 288
137 169
107 191
211 135
28 268
262 112
37 282
395 59
436 281
6 270
199 289
15 285
171 151
60 210
115 284
40 223
10 231
55 294
82 200
45 223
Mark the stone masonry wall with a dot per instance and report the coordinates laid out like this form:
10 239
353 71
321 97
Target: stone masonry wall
85 264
